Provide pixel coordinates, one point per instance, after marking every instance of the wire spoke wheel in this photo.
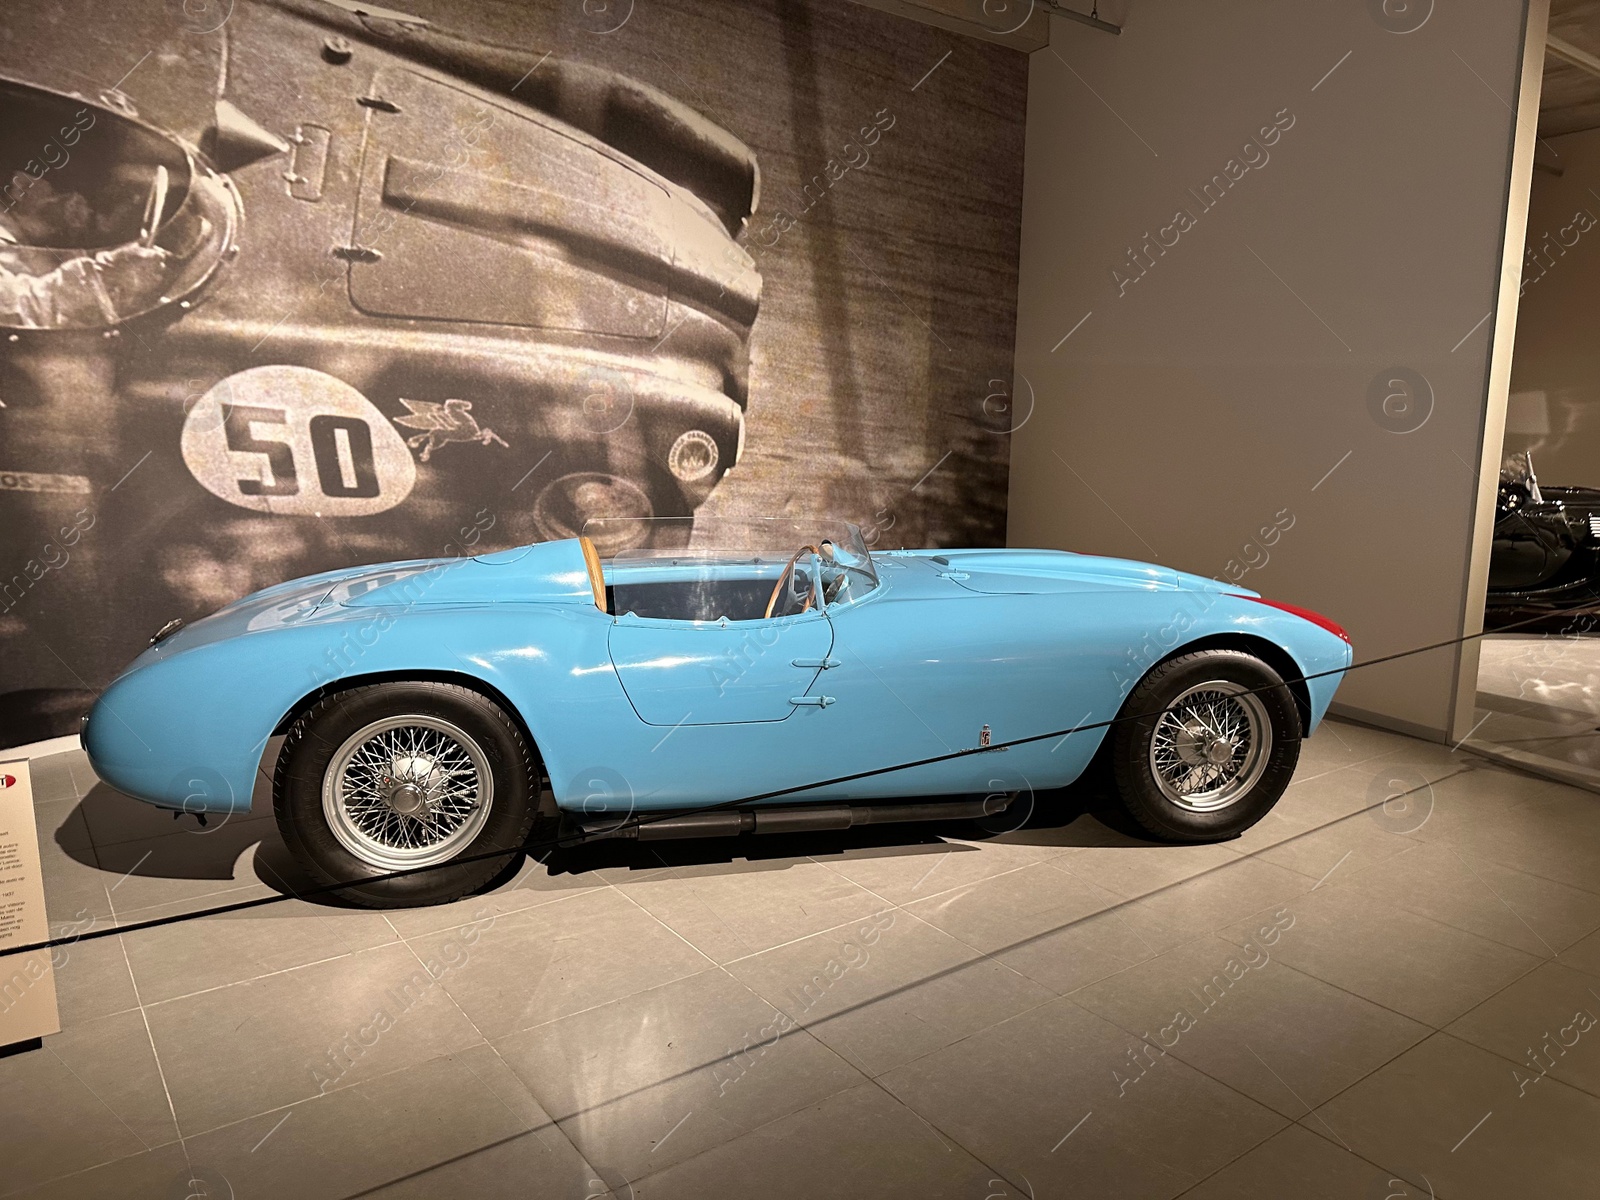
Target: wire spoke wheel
(407, 791)
(1210, 745)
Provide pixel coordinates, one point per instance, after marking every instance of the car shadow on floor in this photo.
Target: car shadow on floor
(206, 863)
(1086, 813)
(126, 839)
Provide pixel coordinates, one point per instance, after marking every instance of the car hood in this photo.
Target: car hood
(1013, 572)
(552, 572)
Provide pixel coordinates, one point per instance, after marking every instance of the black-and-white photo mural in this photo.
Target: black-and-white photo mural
(290, 285)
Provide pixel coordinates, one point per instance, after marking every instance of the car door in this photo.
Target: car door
(726, 710)
(1530, 547)
(678, 672)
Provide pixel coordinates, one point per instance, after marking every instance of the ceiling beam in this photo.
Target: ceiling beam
(1090, 18)
(1568, 53)
(973, 18)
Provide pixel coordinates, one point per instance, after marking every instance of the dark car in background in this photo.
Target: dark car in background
(1544, 570)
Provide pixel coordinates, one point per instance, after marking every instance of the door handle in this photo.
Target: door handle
(820, 663)
(819, 701)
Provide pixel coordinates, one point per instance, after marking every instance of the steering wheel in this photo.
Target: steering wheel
(155, 203)
(788, 570)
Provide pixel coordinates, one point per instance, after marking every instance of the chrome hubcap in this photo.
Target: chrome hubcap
(1210, 746)
(407, 791)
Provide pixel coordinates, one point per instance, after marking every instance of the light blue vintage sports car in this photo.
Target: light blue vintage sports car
(426, 703)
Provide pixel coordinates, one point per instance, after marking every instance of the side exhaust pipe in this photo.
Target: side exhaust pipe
(730, 822)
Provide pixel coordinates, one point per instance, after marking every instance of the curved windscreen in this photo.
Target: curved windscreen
(732, 569)
(102, 218)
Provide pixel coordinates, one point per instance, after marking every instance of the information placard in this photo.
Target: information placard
(27, 982)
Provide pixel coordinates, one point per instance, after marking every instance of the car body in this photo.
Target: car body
(661, 705)
(1544, 567)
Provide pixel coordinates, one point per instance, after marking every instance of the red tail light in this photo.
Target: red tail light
(1315, 618)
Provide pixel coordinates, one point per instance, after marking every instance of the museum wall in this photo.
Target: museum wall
(1555, 375)
(1254, 328)
(286, 289)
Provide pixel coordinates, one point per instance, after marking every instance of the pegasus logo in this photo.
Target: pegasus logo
(441, 424)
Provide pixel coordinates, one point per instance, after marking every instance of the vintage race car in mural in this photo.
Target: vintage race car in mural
(425, 704)
(1544, 566)
(337, 280)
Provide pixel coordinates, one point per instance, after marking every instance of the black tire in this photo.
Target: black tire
(1251, 687)
(316, 738)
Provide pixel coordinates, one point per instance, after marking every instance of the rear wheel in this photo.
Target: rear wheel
(397, 776)
(1210, 745)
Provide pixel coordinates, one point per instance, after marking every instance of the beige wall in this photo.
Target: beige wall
(1555, 374)
(1222, 376)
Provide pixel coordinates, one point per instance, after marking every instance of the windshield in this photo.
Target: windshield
(103, 218)
(731, 569)
(1517, 471)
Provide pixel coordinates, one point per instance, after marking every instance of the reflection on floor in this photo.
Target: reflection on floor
(1539, 704)
(1390, 987)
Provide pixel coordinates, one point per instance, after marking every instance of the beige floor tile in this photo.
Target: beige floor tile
(1346, 844)
(1139, 868)
(1299, 1164)
(667, 1073)
(1448, 1111)
(537, 964)
(1584, 954)
(1097, 1121)
(432, 1129)
(875, 1147)
(74, 885)
(1281, 1037)
(1380, 790)
(1075, 954)
(534, 885)
(1548, 1022)
(1428, 971)
(1337, 744)
(112, 1056)
(185, 865)
(54, 1121)
(1436, 880)
(1277, 826)
(92, 978)
(1198, 906)
(244, 1049)
(993, 914)
(906, 874)
(193, 956)
(884, 991)
(60, 777)
(153, 1173)
(738, 908)
(1531, 825)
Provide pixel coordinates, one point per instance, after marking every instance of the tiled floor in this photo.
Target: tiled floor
(1539, 704)
(1366, 996)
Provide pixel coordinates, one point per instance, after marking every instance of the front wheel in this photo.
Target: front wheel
(1210, 742)
(397, 776)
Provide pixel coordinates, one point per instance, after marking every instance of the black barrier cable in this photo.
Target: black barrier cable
(578, 839)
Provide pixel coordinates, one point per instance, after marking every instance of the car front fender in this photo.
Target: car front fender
(187, 730)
